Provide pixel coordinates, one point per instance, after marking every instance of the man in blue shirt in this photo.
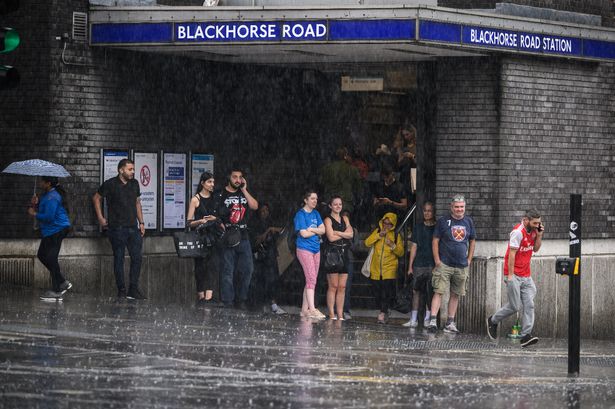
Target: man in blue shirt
(454, 239)
(52, 217)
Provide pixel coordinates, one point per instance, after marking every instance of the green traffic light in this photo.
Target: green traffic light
(9, 40)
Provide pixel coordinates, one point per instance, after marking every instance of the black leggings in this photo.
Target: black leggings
(48, 252)
(384, 291)
(204, 273)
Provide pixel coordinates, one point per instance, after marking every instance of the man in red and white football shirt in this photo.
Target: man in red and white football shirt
(525, 239)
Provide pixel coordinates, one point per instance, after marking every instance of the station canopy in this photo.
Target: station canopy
(302, 35)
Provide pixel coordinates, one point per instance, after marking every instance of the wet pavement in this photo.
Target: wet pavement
(89, 352)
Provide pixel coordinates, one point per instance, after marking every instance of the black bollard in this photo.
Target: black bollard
(574, 295)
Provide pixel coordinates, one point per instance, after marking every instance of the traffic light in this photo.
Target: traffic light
(9, 41)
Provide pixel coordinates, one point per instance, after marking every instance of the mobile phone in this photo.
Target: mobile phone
(541, 227)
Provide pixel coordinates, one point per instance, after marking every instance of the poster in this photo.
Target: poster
(174, 190)
(146, 173)
(200, 163)
(110, 160)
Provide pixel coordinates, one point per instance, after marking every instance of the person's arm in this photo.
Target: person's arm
(348, 233)
(252, 202)
(320, 230)
(140, 216)
(191, 209)
(331, 234)
(372, 238)
(413, 249)
(398, 246)
(538, 242)
(97, 200)
(402, 204)
(47, 211)
(512, 253)
(435, 248)
(471, 251)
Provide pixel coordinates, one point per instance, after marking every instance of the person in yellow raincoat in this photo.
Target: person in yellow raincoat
(388, 247)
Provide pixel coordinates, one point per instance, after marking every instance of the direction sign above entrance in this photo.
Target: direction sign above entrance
(418, 32)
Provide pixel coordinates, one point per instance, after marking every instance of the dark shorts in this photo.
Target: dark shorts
(422, 276)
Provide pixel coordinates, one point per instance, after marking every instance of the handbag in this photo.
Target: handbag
(334, 258)
(231, 237)
(189, 244)
(365, 269)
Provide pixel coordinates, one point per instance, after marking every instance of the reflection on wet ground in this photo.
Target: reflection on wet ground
(100, 353)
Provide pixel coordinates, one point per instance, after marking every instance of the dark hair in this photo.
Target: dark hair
(55, 183)
(235, 168)
(123, 163)
(204, 177)
(341, 153)
(386, 170)
(308, 193)
(332, 198)
(428, 203)
(532, 214)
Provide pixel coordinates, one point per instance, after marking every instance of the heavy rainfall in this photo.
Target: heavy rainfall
(301, 204)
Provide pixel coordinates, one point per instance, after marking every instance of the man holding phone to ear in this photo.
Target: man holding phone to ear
(525, 239)
(233, 203)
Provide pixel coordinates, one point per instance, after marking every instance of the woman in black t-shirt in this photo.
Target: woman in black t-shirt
(339, 234)
(201, 211)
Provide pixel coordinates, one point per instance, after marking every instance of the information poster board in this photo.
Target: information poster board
(146, 173)
(200, 163)
(174, 190)
(110, 159)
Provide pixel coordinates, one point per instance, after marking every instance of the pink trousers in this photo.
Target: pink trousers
(310, 263)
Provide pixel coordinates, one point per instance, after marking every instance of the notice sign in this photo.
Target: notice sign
(146, 173)
(350, 84)
(200, 163)
(110, 160)
(174, 186)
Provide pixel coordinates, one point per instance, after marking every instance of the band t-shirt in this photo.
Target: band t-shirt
(121, 201)
(455, 236)
(421, 236)
(233, 209)
(302, 221)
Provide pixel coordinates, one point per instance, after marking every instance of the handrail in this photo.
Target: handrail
(405, 220)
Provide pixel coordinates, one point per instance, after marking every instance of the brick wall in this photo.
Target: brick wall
(467, 158)
(557, 138)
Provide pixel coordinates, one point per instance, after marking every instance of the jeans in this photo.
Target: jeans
(266, 275)
(521, 292)
(122, 238)
(384, 291)
(236, 259)
(204, 271)
(48, 252)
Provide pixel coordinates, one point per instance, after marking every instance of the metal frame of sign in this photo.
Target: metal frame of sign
(162, 191)
(156, 184)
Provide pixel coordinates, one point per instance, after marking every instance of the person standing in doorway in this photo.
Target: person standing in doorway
(388, 247)
(339, 234)
(421, 265)
(125, 226)
(525, 239)
(52, 216)
(202, 213)
(390, 196)
(309, 227)
(233, 203)
(453, 243)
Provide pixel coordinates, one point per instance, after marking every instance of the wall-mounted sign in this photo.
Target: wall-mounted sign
(110, 159)
(200, 163)
(146, 173)
(362, 84)
(174, 191)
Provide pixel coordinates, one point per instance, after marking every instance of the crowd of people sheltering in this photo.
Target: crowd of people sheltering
(243, 252)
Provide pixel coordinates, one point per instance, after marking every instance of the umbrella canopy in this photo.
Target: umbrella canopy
(37, 167)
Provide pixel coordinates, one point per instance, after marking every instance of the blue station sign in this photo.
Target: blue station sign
(351, 30)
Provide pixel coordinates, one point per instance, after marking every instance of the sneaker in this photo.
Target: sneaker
(528, 340)
(241, 306)
(65, 286)
(432, 325)
(492, 329)
(411, 324)
(201, 302)
(121, 293)
(451, 328)
(51, 296)
(426, 323)
(277, 310)
(347, 316)
(135, 294)
(382, 318)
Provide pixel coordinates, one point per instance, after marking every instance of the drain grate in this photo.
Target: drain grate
(441, 345)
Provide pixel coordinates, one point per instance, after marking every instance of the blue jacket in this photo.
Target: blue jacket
(51, 215)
